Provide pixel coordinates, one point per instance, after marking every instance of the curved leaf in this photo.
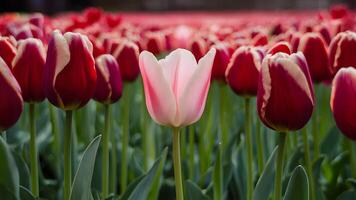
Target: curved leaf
(347, 195)
(144, 187)
(81, 189)
(298, 185)
(25, 194)
(264, 185)
(193, 192)
(9, 175)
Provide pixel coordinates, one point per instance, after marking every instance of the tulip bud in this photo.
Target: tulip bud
(11, 103)
(260, 40)
(154, 42)
(109, 84)
(7, 51)
(126, 55)
(283, 47)
(285, 96)
(70, 75)
(342, 102)
(342, 49)
(176, 87)
(198, 48)
(314, 49)
(243, 70)
(28, 67)
(221, 61)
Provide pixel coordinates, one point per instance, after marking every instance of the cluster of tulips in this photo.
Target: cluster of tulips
(292, 64)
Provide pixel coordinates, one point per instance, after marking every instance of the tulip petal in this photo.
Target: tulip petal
(11, 103)
(286, 101)
(28, 67)
(160, 99)
(193, 99)
(342, 102)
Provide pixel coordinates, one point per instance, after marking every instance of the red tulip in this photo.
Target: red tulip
(198, 48)
(28, 67)
(7, 50)
(315, 51)
(70, 75)
(243, 70)
(221, 61)
(342, 102)
(11, 103)
(155, 42)
(109, 84)
(283, 47)
(285, 96)
(342, 50)
(126, 55)
(260, 40)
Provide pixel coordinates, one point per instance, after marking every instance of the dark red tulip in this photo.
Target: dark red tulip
(283, 47)
(295, 40)
(28, 67)
(285, 96)
(7, 50)
(221, 61)
(126, 55)
(315, 51)
(198, 47)
(342, 102)
(342, 50)
(70, 75)
(109, 84)
(243, 70)
(11, 103)
(154, 43)
(260, 40)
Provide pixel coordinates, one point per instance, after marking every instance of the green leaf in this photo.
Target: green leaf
(82, 180)
(347, 195)
(298, 185)
(24, 172)
(264, 184)
(193, 192)
(9, 175)
(25, 194)
(131, 187)
(143, 188)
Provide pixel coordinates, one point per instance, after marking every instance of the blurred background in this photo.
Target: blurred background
(55, 6)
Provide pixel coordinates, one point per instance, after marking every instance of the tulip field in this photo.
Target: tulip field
(98, 105)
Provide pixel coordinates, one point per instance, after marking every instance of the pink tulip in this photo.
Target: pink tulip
(176, 87)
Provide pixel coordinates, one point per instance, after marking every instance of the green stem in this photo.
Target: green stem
(56, 138)
(113, 172)
(308, 162)
(218, 175)
(260, 156)
(352, 158)
(105, 154)
(67, 154)
(191, 152)
(249, 148)
(315, 125)
(125, 139)
(315, 135)
(224, 133)
(33, 152)
(177, 164)
(145, 146)
(279, 166)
